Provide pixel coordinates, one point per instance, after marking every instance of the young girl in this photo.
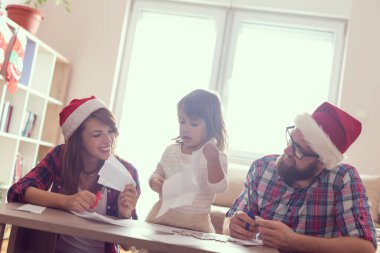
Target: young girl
(201, 126)
(72, 170)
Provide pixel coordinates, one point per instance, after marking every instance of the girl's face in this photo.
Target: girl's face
(97, 140)
(193, 132)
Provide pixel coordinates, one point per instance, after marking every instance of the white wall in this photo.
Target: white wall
(90, 36)
(361, 82)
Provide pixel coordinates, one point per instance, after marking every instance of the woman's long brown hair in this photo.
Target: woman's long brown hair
(72, 163)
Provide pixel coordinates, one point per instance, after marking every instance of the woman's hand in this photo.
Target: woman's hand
(127, 201)
(156, 182)
(80, 201)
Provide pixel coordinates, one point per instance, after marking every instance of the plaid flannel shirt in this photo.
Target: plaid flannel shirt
(48, 173)
(334, 204)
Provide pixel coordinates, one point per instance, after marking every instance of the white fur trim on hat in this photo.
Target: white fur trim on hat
(318, 140)
(79, 115)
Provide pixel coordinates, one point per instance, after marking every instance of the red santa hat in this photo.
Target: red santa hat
(77, 111)
(329, 131)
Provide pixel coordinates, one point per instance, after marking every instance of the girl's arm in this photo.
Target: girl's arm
(214, 166)
(156, 182)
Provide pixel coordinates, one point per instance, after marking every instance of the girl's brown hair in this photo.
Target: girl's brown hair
(207, 106)
(72, 163)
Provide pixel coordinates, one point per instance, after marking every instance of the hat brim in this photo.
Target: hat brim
(318, 140)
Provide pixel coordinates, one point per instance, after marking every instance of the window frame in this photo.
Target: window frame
(229, 20)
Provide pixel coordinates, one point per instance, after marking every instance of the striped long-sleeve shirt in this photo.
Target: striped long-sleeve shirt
(334, 204)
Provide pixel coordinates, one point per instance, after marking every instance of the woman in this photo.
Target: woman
(71, 170)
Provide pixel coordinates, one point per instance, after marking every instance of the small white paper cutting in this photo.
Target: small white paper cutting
(32, 208)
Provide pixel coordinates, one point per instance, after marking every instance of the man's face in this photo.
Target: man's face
(290, 168)
(292, 173)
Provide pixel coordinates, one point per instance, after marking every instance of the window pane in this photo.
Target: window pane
(278, 72)
(171, 56)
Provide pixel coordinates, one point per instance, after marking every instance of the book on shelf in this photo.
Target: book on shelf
(19, 166)
(29, 122)
(6, 116)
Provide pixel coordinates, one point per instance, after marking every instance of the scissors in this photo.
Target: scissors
(250, 212)
(98, 197)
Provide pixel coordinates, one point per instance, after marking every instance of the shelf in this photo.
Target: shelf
(33, 128)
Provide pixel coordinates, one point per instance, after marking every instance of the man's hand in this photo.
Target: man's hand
(238, 225)
(276, 234)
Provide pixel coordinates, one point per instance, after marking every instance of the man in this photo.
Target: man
(306, 200)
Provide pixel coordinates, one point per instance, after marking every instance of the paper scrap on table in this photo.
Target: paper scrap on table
(216, 237)
(101, 218)
(252, 242)
(181, 188)
(32, 208)
(114, 175)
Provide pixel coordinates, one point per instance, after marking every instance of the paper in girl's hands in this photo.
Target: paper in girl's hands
(182, 188)
(113, 174)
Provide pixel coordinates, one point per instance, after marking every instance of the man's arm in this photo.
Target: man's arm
(278, 235)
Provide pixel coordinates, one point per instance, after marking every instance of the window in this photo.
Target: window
(281, 66)
(266, 67)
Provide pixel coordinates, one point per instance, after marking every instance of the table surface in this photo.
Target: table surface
(137, 233)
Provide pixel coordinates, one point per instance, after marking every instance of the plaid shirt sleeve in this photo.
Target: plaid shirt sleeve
(251, 182)
(40, 177)
(352, 208)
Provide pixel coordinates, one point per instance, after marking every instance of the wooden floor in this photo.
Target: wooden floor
(4, 246)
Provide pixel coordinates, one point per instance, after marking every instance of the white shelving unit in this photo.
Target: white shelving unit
(41, 90)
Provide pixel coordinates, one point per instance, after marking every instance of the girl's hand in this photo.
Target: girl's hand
(127, 201)
(156, 183)
(80, 202)
(211, 152)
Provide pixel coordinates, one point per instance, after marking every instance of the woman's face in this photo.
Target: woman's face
(97, 140)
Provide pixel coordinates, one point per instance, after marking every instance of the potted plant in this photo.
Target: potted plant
(28, 15)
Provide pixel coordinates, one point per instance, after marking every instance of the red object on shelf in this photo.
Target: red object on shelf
(28, 18)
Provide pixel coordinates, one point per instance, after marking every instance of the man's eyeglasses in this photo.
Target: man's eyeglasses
(297, 150)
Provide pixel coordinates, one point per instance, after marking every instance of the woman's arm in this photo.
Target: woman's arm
(78, 202)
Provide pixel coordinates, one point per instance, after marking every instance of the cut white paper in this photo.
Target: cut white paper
(32, 208)
(253, 242)
(181, 188)
(101, 218)
(179, 235)
(114, 175)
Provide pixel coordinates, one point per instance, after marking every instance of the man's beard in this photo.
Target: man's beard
(290, 173)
